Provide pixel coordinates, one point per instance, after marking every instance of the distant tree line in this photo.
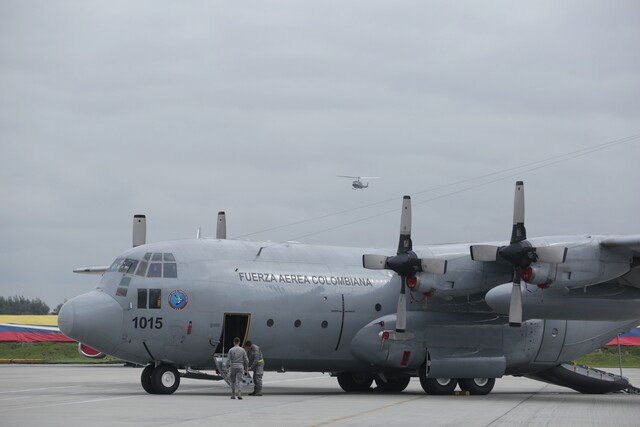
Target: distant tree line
(18, 304)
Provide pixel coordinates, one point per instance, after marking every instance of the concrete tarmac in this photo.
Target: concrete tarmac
(108, 395)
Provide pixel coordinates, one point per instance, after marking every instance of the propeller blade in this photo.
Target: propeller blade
(401, 316)
(434, 266)
(519, 233)
(374, 262)
(405, 244)
(139, 230)
(221, 227)
(552, 254)
(515, 305)
(484, 252)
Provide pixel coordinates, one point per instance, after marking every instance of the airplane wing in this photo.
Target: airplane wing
(91, 270)
(631, 243)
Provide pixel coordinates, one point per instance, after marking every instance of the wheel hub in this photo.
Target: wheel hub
(443, 381)
(168, 379)
(481, 382)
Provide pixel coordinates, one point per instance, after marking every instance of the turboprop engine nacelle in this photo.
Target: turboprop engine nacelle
(538, 274)
(592, 303)
(370, 345)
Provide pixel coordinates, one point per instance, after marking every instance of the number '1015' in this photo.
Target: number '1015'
(147, 322)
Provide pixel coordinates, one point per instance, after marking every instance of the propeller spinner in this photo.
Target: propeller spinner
(406, 264)
(519, 253)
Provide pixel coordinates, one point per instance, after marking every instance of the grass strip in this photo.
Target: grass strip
(46, 352)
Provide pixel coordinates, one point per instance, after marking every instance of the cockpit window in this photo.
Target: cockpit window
(116, 264)
(170, 270)
(155, 270)
(142, 269)
(147, 256)
(128, 266)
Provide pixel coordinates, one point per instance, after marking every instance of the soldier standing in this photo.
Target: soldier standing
(239, 364)
(256, 364)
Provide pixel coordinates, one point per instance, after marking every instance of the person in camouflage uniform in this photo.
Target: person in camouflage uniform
(256, 365)
(239, 363)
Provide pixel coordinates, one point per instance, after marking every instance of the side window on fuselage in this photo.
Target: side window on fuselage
(152, 296)
(155, 298)
(142, 298)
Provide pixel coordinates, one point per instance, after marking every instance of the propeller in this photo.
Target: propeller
(139, 230)
(406, 264)
(519, 253)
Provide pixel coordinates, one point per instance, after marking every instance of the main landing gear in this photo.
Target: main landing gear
(354, 383)
(392, 385)
(444, 386)
(361, 383)
(161, 379)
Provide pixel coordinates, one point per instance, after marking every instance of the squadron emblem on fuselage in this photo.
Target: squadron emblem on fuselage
(178, 300)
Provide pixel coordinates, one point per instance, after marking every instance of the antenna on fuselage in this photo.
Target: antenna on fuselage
(221, 227)
(139, 235)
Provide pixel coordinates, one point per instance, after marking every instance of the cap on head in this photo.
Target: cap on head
(248, 343)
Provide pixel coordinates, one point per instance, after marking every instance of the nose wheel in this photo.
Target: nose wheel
(161, 379)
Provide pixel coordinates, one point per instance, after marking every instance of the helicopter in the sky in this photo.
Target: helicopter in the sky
(358, 184)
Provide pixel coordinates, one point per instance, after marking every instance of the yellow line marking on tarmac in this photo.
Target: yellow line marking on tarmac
(370, 411)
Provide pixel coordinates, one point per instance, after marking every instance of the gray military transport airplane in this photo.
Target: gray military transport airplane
(452, 315)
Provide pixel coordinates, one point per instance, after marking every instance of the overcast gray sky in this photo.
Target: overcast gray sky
(180, 109)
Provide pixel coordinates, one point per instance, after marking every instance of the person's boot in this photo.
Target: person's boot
(240, 395)
(233, 395)
(253, 393)
(257, 392)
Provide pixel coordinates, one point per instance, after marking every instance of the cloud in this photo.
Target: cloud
(179, 111)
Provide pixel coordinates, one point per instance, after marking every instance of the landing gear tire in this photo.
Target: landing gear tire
(165, 379)
(436, 386)
(393, 385)
(477, 386)
(354, 383)
(145, 379)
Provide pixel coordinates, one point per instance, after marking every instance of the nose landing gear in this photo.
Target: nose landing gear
(161, 379)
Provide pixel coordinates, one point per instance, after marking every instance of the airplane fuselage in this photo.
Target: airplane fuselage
(314, 308)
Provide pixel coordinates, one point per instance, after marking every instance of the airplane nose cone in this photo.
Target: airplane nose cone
(94, 319)
(65, 319)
